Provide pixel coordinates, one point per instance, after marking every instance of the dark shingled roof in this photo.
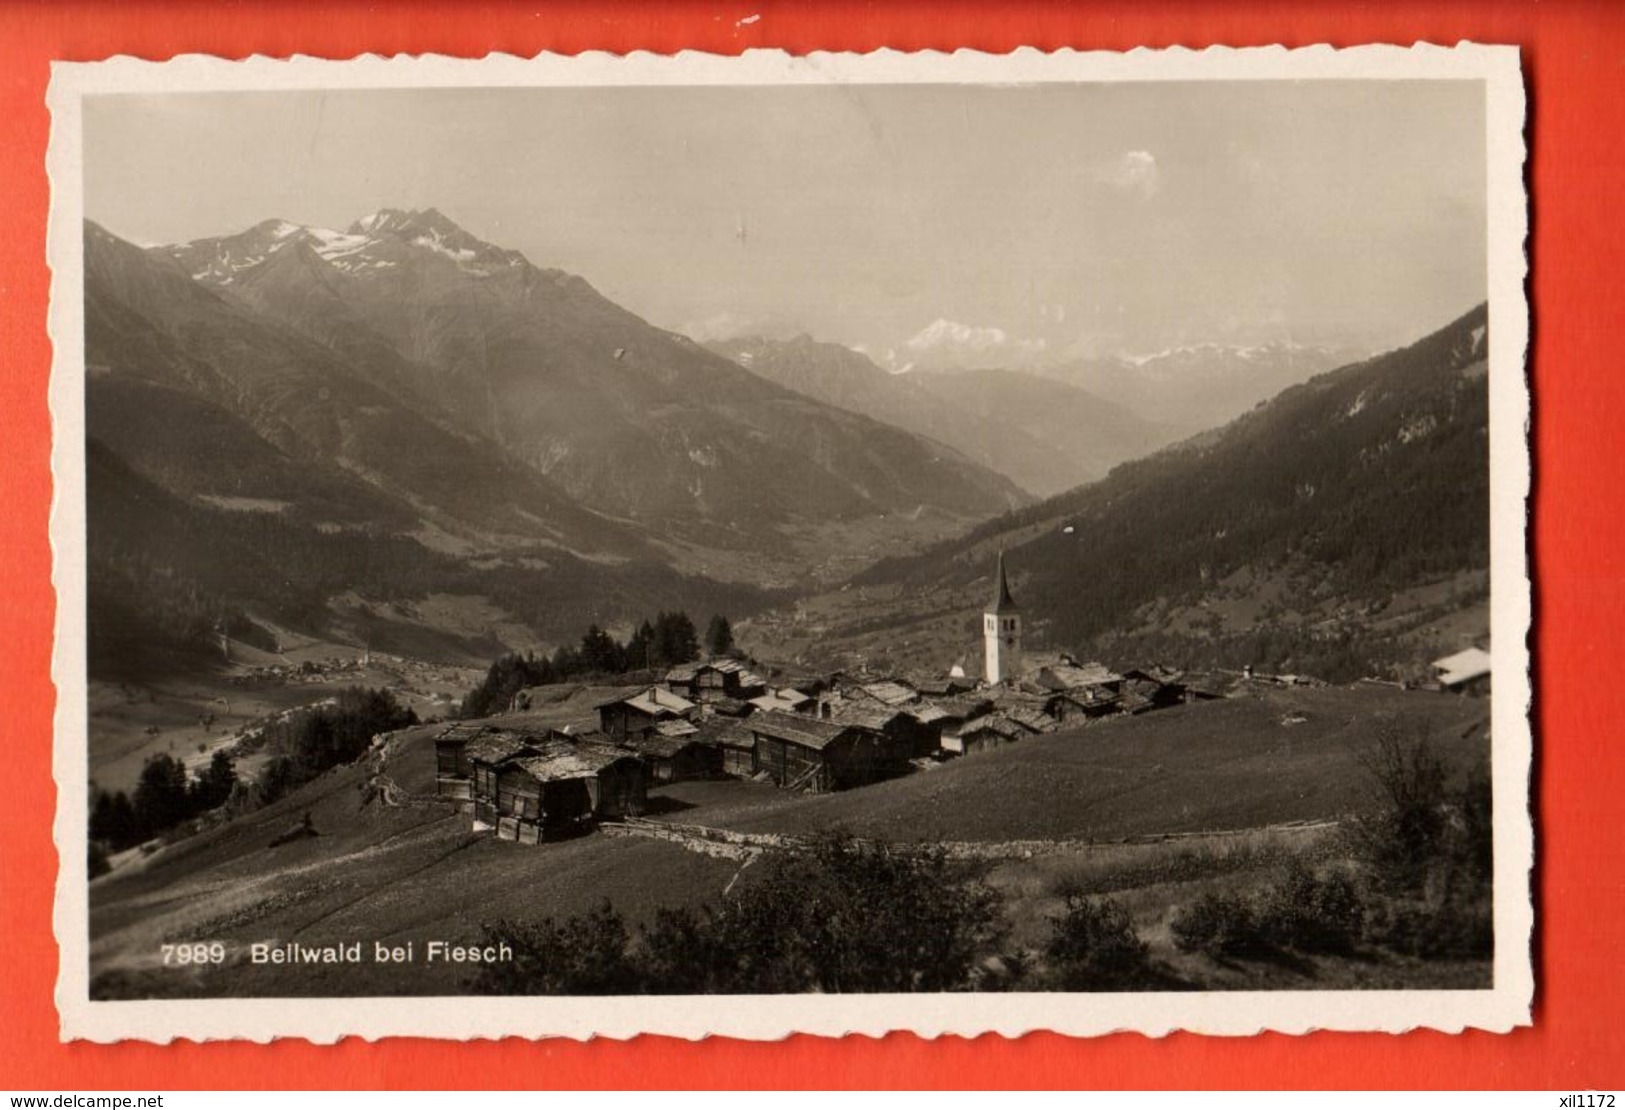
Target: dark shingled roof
(808, 732)
(495, 747)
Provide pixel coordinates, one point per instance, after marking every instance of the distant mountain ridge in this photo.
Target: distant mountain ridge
(1044, 435)
(1201, 385)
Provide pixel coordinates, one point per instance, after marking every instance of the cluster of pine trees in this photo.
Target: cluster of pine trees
(165, 796)
(312, 740)
(668, 640)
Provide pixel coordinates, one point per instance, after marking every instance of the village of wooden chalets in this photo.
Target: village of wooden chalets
(529, 776)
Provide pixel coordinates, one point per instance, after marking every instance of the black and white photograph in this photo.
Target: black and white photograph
(933, 542)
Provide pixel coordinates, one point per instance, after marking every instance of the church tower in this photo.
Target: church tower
(1001, 632)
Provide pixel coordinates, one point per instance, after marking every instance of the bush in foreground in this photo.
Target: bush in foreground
(845, 916)
(1093, 947)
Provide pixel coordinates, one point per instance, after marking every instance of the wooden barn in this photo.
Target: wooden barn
(558, 788)
(1083, 704)
(676, 752)
(992, 731)
(452, 773)
(1159, 686)
(735, 744)
(543, 797)
(486, 754)
(804, 753)
(715, 679)
(621, 717)
(901, 725)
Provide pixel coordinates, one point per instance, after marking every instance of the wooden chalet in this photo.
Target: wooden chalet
(564, 789)
(991, 731)
(735, 744)
(804, 753)
(890, 693)
(1160, 686)
(622, 716)
(784, 700)
(941, 686)
(1083, 704)
(676, 752)
(486, 754)
(451, 768)
(900, 725)
(1072, 676)
(715, 678)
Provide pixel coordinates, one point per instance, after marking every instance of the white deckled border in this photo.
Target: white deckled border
(1502, 1008)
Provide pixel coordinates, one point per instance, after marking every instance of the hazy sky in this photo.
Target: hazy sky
(1123, 218)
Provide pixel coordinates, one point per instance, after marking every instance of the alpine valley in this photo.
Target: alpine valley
(291, 423)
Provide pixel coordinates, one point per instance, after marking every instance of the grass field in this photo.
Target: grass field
(1232, 772)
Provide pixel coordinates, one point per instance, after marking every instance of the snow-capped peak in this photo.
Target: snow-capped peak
(371, 244)
(949, 333)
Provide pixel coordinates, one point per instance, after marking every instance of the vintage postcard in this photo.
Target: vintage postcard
(589, 546)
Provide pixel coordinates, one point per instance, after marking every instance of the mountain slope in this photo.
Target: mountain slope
(1341, 497)
(629, 419)
(1044, 435)
(147, 322)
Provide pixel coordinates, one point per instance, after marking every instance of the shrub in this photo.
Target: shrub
(845, 916)
(1093, 947)
(1429, 852)
(1219, 925)
(1399, 841)
(581, 955)
(1450, 917)
(1310, 912)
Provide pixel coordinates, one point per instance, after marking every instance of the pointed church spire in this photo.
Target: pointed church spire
(1002, 601)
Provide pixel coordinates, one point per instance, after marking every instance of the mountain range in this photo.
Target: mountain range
(1045, 435)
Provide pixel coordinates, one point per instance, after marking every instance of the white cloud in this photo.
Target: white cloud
(1135, 172)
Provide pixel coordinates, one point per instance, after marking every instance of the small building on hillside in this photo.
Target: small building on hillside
(901, 726)
(1072, 676)
(676, 752)
(715, 678)
(890, 693)
(451, 769)
(991, 731)
(1465, 672)
(941, 686)
(1032, 719)
(1083, 704)
(783, 700)
(486, 754)
(563, 790)
(1161, 686)
(804, 753)
(735, 744)
(621, 717)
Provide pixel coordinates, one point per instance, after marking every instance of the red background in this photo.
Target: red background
(1573, 56)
